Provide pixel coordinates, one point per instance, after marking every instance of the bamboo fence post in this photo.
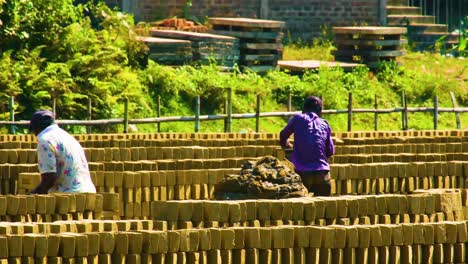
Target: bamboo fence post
(257, 114)
(159, 112)
(406, 112)
(88, 128)
(197, 114)
(229, 111)
(457, 115)
(289, 102)
(350, 112)
(376, 114)
(126, 116)
(436, 112)
(12, 129)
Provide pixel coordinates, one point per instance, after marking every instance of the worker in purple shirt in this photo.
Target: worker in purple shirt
(313, 145)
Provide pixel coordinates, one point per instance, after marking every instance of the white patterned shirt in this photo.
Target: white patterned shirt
(61, 153)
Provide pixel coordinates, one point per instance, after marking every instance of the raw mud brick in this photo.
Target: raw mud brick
(315, 236)
(375, 236)
(62, 204)
(4, 247)
(3, 205)
(287, 210)
(278, 238)
(297, 209)
(90, 201)
(135, 245)
(275, 207)
(351, 236)
(439, 233)
(340, 236)
(81, 245)
(263, 209)
(121, 243)
(328, 237)
(224, 212)
(387, 232)
(93, 243)
(319, 209)
(381, 205)
(173, 240)
(428, 234)
(204, 240)
(266, 238)
(106, 242)
(342, 207)
(251, 209)
(301, 237)
(67, 246)
(227, 239)
(53, 245)
(331, 207)
(31, 204)
(12, 204)
(211, 210)
(110, 202)
(252, 238)
(364, 236)
(239, 237)
(462, 232)
(348, 205)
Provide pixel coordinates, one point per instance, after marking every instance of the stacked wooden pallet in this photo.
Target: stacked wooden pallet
(168, 51)
(368, 45)
(206, 48)
(260, 40)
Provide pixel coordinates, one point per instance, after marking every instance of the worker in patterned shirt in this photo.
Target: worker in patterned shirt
(313, 145)
(61, 159)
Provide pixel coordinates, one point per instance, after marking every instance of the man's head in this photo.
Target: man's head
(40, 120)
(312, 104)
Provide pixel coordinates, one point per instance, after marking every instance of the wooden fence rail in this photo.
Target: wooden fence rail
(229, 116)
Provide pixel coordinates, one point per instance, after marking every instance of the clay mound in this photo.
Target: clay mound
(267, 178)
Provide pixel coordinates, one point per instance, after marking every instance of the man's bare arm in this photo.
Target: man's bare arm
(47, 181)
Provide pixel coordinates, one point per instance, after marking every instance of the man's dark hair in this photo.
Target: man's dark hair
(312, 104)
(41, 119)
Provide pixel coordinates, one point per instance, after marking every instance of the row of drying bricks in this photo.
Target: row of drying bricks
(196, 152)
(374, 135)
(199, 184)
(305, 209)
(95, 242)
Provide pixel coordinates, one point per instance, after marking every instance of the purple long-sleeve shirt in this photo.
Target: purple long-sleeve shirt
(313, 143)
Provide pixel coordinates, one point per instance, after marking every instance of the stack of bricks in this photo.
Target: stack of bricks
(424, 206)
(58, 206)
(387, 212)
(442, 242)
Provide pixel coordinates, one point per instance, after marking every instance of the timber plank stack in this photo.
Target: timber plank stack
(368, 45)
(260, 40)
(166, 51)
(206, 48)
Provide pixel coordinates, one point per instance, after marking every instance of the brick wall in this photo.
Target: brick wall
(303, 17)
